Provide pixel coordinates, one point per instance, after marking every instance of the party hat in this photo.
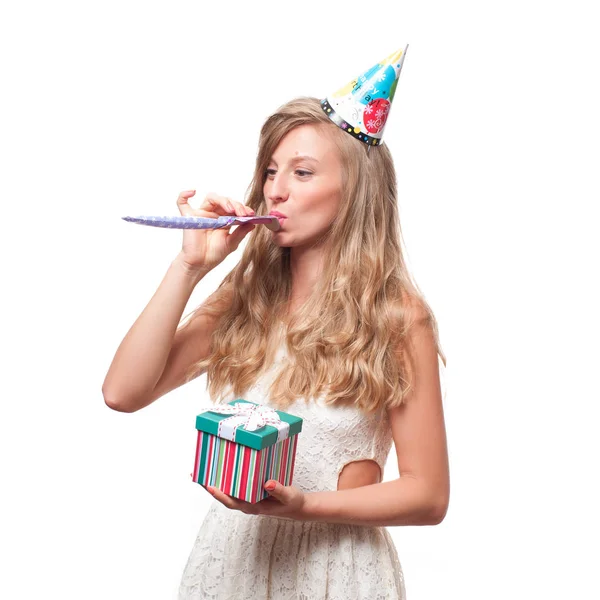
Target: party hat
(361, 107)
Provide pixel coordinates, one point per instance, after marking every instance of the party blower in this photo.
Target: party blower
(185, 222)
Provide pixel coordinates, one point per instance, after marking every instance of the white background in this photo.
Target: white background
(111, 108)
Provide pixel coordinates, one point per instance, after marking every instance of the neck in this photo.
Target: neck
(306, 265)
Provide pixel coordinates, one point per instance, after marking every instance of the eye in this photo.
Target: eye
(303, 173)
(270, 172)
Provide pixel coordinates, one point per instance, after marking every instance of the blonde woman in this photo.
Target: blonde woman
(320, 319)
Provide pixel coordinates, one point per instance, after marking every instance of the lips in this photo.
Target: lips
(277, 214)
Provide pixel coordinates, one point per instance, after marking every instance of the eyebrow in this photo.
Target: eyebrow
(297, 159)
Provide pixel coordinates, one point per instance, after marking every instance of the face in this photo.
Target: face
(304, 183)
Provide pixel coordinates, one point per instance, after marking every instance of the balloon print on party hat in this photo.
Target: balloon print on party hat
(361, 108)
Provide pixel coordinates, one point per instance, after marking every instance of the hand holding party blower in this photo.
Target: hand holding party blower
(204, 250)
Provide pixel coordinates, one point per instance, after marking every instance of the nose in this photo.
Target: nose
(277, 190)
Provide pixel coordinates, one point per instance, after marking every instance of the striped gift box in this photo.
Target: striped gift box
(239, 461)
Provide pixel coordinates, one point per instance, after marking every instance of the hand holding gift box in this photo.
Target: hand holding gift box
(241, 445)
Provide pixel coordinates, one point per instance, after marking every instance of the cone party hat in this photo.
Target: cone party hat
(361, 108)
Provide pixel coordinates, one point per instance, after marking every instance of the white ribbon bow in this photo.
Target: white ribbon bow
(249, 416)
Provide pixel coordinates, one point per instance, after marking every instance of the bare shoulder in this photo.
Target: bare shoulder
(415, 311)
(418, 348)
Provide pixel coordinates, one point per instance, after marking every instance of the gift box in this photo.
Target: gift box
(241, 445)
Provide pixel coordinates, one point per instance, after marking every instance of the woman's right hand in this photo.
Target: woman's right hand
(204, 249)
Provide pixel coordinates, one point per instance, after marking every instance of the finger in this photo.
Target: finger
(228, 501)
(219, 205)
(241, 210)
(234, 207)
(220, 496)
(231, 207)
(235, 238)
(206, 488)
(182, 203)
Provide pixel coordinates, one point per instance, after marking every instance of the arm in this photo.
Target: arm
(420, 495)
(148, 362)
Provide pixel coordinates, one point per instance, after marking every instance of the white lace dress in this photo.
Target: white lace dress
(257, 557)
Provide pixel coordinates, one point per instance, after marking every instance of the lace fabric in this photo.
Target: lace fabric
(257, 557)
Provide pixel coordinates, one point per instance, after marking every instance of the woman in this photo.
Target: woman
(320, 319)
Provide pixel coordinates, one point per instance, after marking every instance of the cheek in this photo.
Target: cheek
(323, 197)
(329, 201)
(320, 209)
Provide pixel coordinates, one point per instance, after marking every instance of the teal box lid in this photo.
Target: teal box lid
(261, 438)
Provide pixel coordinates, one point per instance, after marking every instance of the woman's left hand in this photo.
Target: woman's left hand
(284, 501)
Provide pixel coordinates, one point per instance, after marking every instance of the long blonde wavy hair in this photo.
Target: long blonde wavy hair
(349, 341)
